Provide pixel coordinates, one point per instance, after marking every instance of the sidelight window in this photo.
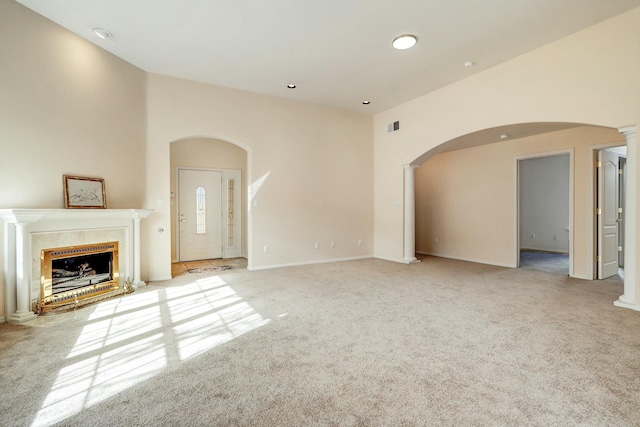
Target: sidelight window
(201, 225)
(230, 213)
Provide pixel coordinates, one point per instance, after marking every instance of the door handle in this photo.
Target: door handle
(183, 220)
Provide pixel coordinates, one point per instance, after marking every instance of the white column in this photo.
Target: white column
(10, 268)
(629, 298)
(136, 253)
(409, 215)
(23, 287)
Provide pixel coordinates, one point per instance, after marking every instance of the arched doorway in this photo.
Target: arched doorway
(478, 222)
(216, 225)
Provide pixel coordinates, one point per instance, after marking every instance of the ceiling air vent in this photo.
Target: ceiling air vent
(392, 127)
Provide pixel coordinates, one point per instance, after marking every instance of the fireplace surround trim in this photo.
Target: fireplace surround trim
(21, 224)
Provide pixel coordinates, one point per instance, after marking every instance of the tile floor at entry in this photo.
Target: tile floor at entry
(180, 268)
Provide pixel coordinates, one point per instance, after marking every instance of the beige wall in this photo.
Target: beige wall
(309, 171)
(206, 153)
(590, 77)
(66, 107)
(468, 198)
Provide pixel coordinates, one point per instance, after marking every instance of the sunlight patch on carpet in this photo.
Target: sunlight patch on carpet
(132, 339)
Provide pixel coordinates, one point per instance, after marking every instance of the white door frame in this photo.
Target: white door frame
(570, 152)
(622, 192)
(593, 151)
(604, 229)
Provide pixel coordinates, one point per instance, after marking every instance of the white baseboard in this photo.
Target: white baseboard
(622, 304)
(477, 261)
(295, 264)
(580, 276)
(158, 279)
(400, 260)
(546, 251)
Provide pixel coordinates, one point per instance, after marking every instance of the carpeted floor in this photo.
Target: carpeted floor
(357, 343)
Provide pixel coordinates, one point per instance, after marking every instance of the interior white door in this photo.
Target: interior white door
(607, 214)
(200, 214)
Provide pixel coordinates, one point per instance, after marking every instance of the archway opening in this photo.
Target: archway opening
(214, 230)
(466, 192)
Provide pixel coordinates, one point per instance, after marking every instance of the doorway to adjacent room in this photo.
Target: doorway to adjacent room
(544, 212)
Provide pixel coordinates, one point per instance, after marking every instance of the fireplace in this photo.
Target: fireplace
(30, 233)
(76, 275)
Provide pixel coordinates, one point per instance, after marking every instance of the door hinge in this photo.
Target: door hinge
(598, 259)
(619, 171)
(598, 164)
(619, 210)
(598, 211)
(619, 248)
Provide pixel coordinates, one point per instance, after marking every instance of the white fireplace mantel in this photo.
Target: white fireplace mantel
(26, 230)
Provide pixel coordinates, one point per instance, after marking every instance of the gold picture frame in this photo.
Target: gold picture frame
(81, 192)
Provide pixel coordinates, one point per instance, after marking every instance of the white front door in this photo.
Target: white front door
(200, 214)
(607, 214)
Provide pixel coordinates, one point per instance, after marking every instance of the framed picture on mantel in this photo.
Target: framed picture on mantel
(84, 193)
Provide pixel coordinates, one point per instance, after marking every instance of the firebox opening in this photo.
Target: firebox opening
(78, 275)
(77, 272)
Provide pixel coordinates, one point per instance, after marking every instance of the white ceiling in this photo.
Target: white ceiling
(338, 52)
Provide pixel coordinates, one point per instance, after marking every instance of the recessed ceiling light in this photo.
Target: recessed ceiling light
(291, 86)
(469, 64)
(366, 102)
(405, 41)
(504, 136)
(103, 34)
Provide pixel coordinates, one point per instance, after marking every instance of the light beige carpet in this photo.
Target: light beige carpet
(357, 343)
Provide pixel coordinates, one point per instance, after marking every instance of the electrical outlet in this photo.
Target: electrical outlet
(266, 249)
(555, 237)
(333, 244)
(533, 235)
(317, 245)
(360, 242)
(435, 240)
